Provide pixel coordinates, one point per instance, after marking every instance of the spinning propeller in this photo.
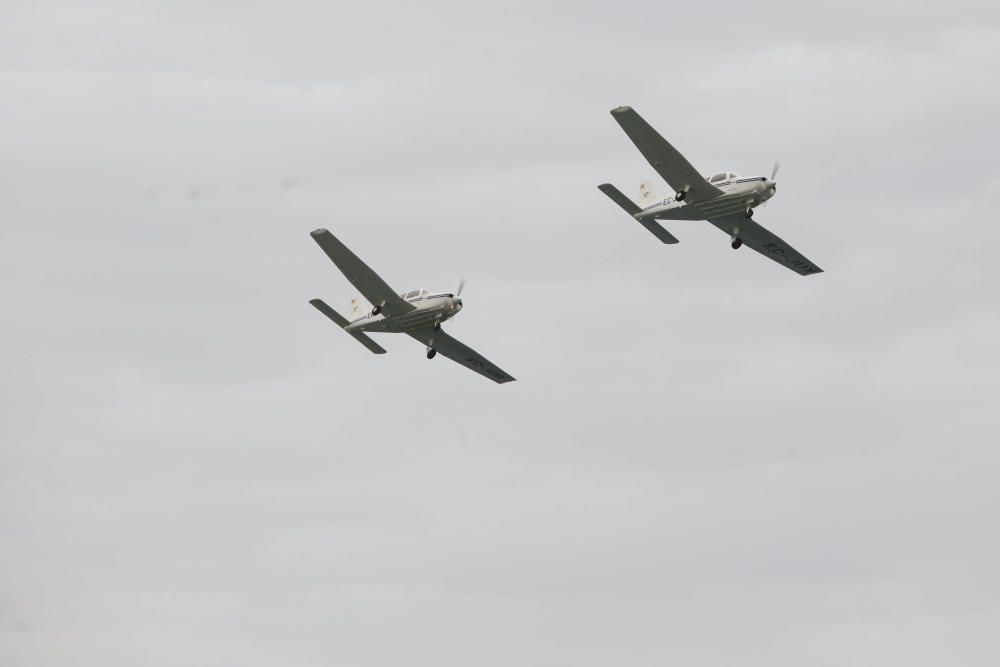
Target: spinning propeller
(774, 172)
(457, 298)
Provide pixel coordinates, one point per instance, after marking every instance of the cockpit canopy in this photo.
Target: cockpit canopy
(721, 178)
(414, 294)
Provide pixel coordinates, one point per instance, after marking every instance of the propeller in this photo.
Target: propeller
(456, 302)
(774, 172)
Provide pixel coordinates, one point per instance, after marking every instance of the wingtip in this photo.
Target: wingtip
(620, 110)
(316, 233)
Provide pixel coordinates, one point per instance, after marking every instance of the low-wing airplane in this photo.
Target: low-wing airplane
(417, 313)
(725, 200)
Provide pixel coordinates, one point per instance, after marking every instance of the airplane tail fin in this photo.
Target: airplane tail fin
(358, 308)
(634, 210)
(342, 322)
(647, 195)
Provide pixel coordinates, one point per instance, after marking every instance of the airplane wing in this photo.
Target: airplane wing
(463, 354)
(664, 158)
(361, 276)
(764, 242)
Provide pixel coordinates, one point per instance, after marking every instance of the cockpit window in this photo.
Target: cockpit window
(413, 294)
(717, 178)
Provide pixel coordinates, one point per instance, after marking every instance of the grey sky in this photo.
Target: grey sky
(707, 460)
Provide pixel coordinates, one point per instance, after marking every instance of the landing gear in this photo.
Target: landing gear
(749, 213)
(431, 353)
(736, 243)
(376, 310)
(437, 325)
(680, 195)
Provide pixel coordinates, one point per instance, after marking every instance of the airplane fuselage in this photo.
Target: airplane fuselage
(738, 195)
(428, 309)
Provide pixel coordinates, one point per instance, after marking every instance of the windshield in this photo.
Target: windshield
(414, 294)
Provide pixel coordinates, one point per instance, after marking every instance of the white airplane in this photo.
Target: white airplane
(417, 313)
(725, 200)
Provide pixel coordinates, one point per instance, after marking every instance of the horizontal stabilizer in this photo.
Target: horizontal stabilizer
(657, 230)
(342, 322)
(618, 197)
(633, 209)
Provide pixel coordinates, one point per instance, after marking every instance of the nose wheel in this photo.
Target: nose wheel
(749, 213)
(431, 353)
(376, 310)
(437, 325)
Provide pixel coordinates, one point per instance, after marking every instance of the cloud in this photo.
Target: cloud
(706, 459)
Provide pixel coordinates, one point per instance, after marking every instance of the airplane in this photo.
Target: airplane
(417, 313)
(725, 199)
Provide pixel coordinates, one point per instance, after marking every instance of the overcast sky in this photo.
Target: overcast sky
(707, 459)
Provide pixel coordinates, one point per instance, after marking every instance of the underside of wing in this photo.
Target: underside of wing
(461, 353)
(361, 275)
(665, 159)
(764, 242)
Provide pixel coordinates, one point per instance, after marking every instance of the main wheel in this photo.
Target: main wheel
(437, 326)
(376, 310)
(749, 213)
(736, 243)
(680, 196)
(431, 353)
